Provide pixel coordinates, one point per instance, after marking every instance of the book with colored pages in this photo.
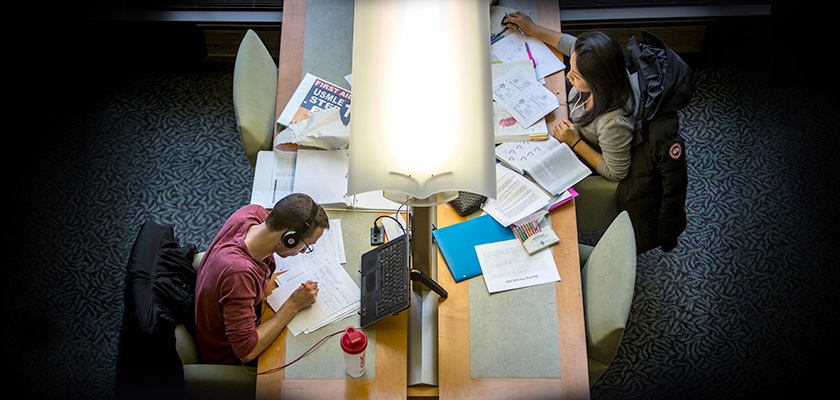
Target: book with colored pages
(457, 244)
(551, 164)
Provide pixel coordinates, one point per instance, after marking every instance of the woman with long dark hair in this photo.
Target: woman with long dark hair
(600, 125)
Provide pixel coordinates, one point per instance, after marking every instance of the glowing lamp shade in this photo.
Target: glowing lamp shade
(422, 102)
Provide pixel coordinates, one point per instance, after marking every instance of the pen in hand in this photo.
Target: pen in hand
(515, 25)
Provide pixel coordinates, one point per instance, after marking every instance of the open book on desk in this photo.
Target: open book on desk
(551, 164)
(322, 174)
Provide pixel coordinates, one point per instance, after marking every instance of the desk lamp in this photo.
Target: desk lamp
(422, 129)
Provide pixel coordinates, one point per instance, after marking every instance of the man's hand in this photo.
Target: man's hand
(304, 296)
(267, 332)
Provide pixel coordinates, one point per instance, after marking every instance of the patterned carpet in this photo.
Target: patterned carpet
(742, 308)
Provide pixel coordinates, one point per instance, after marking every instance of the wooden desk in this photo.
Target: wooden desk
(454, 328)
(390, 361)
(454, 365)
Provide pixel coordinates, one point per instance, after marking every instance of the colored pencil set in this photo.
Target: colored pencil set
(526, 229)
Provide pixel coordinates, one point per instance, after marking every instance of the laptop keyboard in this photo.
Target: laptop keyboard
(393, 286)
(384, 282)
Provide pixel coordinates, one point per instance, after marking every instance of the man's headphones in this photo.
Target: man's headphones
(292, 237)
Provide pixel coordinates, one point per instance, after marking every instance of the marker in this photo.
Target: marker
(497, 39)
(529, 54)
(500, 32)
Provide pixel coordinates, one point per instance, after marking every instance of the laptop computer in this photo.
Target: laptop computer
(384, 282)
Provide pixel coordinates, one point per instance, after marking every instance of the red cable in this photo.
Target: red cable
(304, 353)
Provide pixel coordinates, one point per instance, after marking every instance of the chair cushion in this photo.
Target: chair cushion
(609, 280)
(254, 95)
(595, 204)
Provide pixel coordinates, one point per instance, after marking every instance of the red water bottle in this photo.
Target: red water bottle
(354, 343)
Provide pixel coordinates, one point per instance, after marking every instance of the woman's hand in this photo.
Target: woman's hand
(525, 23)
(566, 132)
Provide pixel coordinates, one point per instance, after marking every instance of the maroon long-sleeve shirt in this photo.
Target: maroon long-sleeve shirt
(229, 288)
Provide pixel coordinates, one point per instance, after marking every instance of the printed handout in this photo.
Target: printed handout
(506, 266)
(523, 97)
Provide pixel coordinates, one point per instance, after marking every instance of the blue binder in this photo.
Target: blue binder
(457, 244)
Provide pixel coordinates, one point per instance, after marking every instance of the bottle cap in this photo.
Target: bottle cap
(353, 341)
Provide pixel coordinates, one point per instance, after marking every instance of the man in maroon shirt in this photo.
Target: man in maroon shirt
(235, 272)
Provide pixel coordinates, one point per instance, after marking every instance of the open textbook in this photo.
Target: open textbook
(322, 174)
(551, 164)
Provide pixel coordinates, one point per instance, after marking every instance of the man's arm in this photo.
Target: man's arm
(268, 331)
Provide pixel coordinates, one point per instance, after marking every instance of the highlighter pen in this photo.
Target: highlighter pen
(529, 54)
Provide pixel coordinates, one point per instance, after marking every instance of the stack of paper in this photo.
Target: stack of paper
(322, 174)
(338, 296)
(505, 126)
(516, 197)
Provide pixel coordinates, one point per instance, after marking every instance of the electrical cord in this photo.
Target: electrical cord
(273, 370)
(395, 220)
(390, 217)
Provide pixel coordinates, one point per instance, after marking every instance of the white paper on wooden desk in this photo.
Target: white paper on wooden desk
(338, 296)
(506, 266)
(512, 48)
(331, 243)
(516, 197)
(523, 97)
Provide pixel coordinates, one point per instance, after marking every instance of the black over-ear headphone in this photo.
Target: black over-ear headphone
(292, 237)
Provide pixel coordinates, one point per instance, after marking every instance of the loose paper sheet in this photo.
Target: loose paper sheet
(523, 97)
(516, 197)
(506, 265)
(330, 167)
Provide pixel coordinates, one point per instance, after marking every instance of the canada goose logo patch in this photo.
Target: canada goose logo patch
(675, 151)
